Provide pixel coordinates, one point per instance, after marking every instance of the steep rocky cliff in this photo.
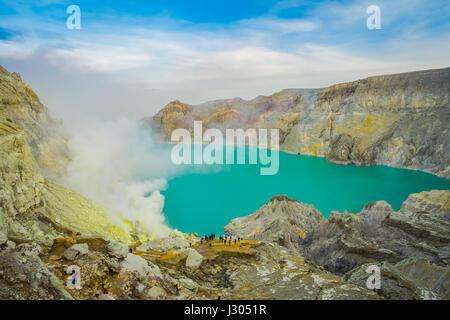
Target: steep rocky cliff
(33, 207)
(397, 120)
(44, 134)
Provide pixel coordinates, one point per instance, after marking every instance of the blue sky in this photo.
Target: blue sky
(132, 57)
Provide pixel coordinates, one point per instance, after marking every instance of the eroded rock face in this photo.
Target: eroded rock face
(397, 120)
(346, 240)
(410, 279)
(411, 246)
(276, 274)
(282, 220)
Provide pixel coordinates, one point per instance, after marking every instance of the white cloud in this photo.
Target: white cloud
(100, 58)
(196, 63)
(280, 26)
(15, 50)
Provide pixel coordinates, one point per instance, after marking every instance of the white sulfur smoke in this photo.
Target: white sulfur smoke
(117, 165)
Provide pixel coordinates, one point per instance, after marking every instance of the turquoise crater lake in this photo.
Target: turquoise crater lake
(204, 198)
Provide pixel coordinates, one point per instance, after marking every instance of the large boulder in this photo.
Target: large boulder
(30, 249)
(194, 259)
(188, 284)
(156, 292)
(118, 249)
(142, 267)
(434, 201)
(3, 238)
(76, 251)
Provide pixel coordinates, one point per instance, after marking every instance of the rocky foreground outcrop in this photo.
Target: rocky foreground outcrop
(411, 246)
(288, 252)
(248, 270)
(378, 233)
(396, 120)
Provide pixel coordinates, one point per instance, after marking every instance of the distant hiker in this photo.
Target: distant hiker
(74, 277)
(190, 244)
(131, 250)
(177, 287)
(106, 285)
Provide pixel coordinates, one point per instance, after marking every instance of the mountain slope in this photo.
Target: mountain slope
(44, 134)
(32, 207)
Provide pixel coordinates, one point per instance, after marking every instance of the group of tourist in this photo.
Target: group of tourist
(225, 239)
